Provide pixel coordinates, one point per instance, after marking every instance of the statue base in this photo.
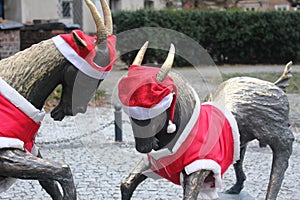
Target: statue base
(242, 196)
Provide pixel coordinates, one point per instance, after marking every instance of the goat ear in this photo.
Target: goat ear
(78, 40)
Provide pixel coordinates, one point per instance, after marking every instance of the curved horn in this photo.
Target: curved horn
(166, 67)
(140, 55)
(101, 32)
(107, 17)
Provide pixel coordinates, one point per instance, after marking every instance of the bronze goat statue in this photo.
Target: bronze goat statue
(162, 107)
(28, 78)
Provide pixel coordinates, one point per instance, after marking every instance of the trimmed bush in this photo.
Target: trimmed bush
(233, 37)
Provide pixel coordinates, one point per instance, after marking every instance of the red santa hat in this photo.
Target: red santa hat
(143, 97)
(82, 57)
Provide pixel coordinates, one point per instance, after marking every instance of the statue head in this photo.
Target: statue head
(148, 96)
(90, 59)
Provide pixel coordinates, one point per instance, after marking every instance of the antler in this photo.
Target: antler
(107, 17)
(102, 31)
(140, 55)
(166, 67)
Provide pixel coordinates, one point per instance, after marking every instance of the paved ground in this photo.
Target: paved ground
(86, 143)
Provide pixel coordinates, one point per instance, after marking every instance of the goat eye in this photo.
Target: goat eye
(141, 122)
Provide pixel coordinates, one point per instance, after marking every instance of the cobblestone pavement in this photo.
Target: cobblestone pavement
(86, 143)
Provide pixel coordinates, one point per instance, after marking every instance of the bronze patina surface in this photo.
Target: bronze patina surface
(35, 73)
(261, 110)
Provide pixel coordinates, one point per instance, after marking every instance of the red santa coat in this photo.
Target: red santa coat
(83, 58)
(210, 141)
(20, 120)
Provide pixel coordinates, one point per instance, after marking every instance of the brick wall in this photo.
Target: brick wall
(30, 37)
(9, 42)
(32, 34)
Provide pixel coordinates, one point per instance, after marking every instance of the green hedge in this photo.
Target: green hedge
(233, 37)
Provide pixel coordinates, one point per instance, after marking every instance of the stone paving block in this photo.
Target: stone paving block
(99, 164)
(242, 196)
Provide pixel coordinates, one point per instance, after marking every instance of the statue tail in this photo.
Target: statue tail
(282, 82)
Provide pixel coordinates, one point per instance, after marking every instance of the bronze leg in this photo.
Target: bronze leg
(19, 164)
(282, 150)
(239, 173)
(50, 186)
(129, 184)
(192, 184)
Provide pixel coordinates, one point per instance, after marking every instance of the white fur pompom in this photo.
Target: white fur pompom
(171, 127)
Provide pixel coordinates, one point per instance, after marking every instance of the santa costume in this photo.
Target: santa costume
(209, 141)
(83, 57)
(20, 120)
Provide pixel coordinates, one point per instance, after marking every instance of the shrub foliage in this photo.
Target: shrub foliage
(233, 37)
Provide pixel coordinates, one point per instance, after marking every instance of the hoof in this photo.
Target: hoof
(236, 189)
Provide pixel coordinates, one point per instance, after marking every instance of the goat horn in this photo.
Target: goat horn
(140, 55)
(107, 17)
(166, 67)
(101, 32)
